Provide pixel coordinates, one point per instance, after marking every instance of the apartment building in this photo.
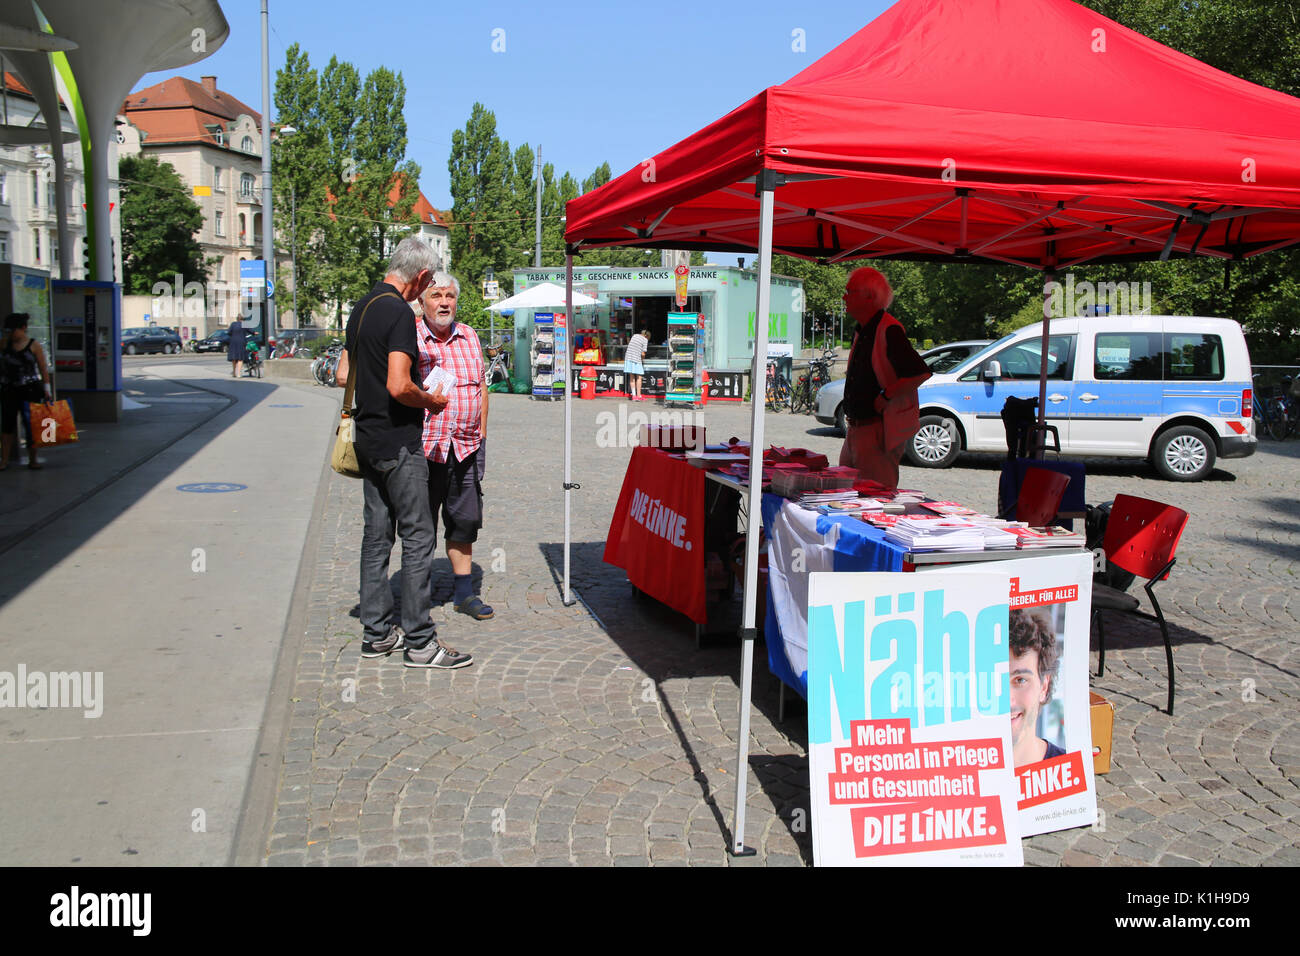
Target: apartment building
(29, 231)
(214, 142)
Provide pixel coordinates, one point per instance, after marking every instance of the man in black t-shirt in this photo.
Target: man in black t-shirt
(390, 406)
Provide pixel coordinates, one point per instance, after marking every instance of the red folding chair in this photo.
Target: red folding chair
(1040, 496)
(1141, 538)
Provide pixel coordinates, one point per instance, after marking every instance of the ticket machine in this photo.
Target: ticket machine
(87, 327)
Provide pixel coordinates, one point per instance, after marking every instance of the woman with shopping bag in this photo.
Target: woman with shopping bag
(24, 379)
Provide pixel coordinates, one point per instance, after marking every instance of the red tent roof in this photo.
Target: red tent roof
(1029, 131)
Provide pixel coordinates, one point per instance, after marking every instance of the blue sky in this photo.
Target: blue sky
(587, 81)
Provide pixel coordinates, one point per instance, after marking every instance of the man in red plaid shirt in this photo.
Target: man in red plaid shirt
(453, 439)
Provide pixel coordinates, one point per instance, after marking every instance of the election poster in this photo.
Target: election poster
(1050, 601)
(909, 736)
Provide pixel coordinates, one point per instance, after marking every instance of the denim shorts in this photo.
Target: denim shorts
(633, 368)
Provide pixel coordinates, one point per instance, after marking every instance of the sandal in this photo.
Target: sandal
(475, 608)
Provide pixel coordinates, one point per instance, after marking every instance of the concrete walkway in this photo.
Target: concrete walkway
(177, 599)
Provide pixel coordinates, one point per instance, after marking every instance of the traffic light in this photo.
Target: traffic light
(112, 257)
(85, 256)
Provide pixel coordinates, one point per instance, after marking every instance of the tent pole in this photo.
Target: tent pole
(767, 181)
(1040, 445)
(568, 412)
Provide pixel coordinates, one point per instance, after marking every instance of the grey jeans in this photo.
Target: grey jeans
(397, 499)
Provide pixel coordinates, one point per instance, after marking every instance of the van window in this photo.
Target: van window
(1024, 360)
(1193, 357)
(1127, 356)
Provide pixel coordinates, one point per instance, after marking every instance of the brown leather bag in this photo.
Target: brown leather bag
(343, 458)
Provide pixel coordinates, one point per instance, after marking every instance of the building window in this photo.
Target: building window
(221, 137)
(50, 198)
(4, 188)
(247, 144)
(36, 243)
(220, 224)
(217, 176)
(243, 225)
(4, 247)
(36, 188)
(246, 185)
(54, 248)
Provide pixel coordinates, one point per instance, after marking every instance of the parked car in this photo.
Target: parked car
(218, 341)
(1175, 390)
(944, 358)
(828, 405)
(150, 339)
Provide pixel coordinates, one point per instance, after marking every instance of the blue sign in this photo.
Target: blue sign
(211, 487)
(252, 269)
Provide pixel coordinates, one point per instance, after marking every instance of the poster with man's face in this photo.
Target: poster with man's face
(1051, 729)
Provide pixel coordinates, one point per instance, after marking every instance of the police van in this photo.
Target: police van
(1175, 390)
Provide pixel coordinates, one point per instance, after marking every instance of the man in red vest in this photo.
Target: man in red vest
(884, 372)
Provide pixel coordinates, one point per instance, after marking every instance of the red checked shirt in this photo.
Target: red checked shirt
(457, 425)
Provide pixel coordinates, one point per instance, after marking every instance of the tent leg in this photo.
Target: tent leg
(568, 418)
(1040, 440)
(767, 181)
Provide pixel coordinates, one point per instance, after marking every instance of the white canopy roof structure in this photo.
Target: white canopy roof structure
(547, 295)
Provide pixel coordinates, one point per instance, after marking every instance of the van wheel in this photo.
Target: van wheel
(936, 444)
(1184, 453)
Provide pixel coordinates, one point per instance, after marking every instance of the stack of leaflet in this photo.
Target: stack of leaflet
(1029, 539)
(949, 508)
(880, 519)
(936, 533)
(998, 534)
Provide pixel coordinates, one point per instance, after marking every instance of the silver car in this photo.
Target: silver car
(828, 406)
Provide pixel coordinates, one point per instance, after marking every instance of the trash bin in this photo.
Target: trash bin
(704, 387)
(587, 383)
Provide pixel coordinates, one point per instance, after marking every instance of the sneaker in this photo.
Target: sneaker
(436, 654)
(382, 648)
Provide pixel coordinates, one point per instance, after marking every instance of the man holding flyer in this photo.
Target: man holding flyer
(451, 358)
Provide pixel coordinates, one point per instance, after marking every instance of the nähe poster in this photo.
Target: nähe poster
(908, 720)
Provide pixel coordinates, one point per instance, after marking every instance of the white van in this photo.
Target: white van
(1173, 389)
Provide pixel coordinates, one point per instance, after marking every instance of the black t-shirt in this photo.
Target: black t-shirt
(860, 383)
(384, 425)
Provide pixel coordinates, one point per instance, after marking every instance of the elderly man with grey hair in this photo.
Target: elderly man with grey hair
(454, 439)
(884, 372)
(390, 404)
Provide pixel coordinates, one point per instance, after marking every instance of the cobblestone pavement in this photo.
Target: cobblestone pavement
(600, 735)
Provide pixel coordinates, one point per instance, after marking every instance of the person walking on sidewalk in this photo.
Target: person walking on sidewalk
(884, 372)
(454, 438)
(390, 407)
(24, 378)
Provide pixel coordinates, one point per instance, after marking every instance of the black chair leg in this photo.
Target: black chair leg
(1169, 650)
(1101, 642)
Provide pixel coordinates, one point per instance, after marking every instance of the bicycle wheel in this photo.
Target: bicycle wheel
(1277, 419)
(800, 402)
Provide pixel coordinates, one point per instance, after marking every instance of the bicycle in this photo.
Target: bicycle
(1276, 414)
(778, 389)
(499, 368)
(325, 366)
(805, 389)
(253, 364)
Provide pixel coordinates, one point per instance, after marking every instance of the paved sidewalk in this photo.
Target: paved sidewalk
(178, 600)
(598, 734)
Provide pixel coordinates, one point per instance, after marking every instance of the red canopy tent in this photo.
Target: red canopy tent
(1033, 132)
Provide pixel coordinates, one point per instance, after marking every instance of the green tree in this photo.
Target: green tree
(159, 226)
(483, 178)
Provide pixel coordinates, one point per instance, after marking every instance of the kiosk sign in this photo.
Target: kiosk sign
(908, 721)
